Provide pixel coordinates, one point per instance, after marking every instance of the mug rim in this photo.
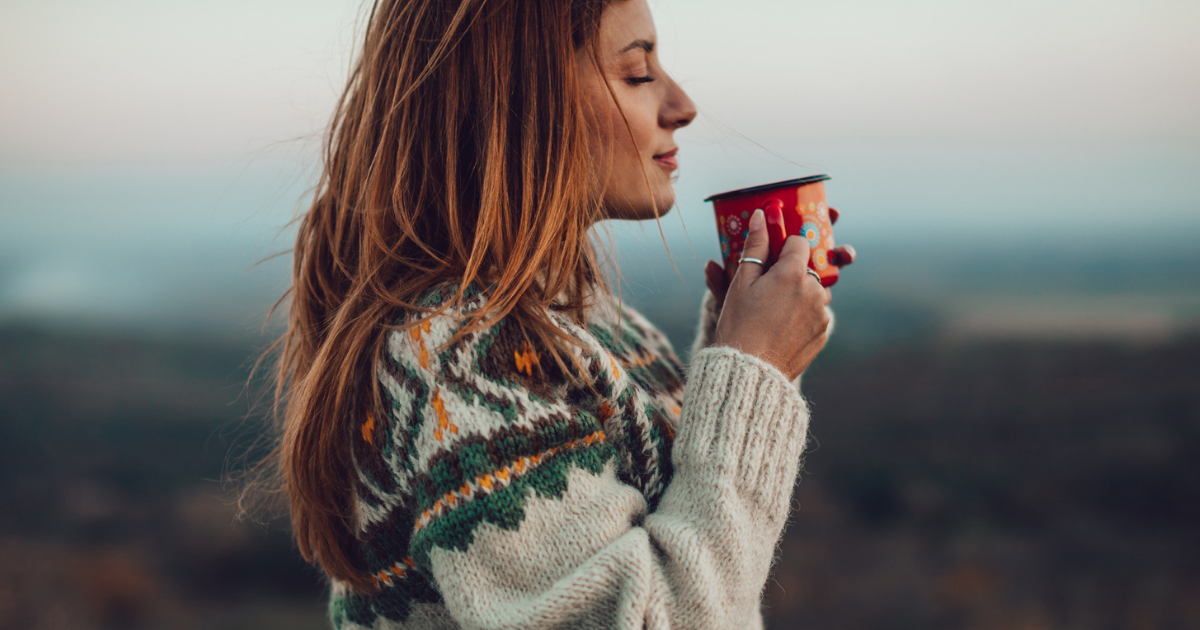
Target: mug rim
(800, 181)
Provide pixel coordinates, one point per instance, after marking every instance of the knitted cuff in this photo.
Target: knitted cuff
(743, 422)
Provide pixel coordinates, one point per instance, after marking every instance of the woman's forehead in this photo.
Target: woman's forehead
(627, 27)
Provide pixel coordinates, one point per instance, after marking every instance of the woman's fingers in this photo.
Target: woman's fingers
(718, 283)
(844, 255)
(757, 246)
(778, 315)
(776, 230)
(795, 253)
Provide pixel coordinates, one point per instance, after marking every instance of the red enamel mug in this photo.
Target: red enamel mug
(802, 204)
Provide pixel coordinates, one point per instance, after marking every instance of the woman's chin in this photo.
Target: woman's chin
(641, 209)
(659, 207)
(649, 212)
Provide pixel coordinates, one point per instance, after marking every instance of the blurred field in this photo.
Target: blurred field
(999, 485)
(110, 452)
(952, 483)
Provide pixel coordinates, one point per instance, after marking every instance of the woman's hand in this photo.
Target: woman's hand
(778, 314)
(718, 281)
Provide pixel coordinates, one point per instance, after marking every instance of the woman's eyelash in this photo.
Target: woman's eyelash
(639, 80)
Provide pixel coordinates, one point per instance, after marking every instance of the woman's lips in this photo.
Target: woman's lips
(667, 160)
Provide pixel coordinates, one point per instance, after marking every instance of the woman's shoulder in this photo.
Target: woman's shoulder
(613, 339)
(615, 315)
(440, 313)
(427, 344)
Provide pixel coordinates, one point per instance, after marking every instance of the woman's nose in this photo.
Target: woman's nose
(678, 110)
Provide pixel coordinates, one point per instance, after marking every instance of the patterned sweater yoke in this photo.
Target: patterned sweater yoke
(498, 493)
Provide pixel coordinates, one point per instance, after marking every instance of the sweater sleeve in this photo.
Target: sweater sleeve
(521, 518)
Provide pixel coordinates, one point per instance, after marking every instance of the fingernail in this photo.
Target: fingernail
(757, 221)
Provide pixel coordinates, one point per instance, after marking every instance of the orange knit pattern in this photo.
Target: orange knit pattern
(527, 359)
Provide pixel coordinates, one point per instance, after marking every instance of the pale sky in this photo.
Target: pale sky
(222, 79)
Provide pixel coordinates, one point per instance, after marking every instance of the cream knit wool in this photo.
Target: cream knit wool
(497, 495)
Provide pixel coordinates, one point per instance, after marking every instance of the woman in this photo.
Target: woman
(477, 433)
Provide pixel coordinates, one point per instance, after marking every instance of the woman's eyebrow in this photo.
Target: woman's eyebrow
(645, 45)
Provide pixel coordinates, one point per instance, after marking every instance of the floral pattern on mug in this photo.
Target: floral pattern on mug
(820, 260)
(811, 230)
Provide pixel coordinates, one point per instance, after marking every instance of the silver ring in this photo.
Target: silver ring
(753, 260)
(814, 274)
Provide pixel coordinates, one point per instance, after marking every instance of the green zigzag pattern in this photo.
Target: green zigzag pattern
(394, 603)
(474, 459)
(505, 508)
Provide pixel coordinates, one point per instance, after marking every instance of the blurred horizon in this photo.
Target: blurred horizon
(204, 249)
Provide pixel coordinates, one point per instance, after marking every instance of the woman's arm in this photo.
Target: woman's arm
(522, 518)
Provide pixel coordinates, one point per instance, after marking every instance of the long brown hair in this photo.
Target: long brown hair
(459, 150)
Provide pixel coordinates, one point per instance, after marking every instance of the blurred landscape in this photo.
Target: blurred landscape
(112, 448)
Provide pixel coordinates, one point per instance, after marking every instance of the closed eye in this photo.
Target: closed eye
(639, 80)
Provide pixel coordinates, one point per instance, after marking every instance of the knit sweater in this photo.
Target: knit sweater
(497, 494)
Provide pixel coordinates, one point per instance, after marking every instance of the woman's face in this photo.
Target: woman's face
(635, 163)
